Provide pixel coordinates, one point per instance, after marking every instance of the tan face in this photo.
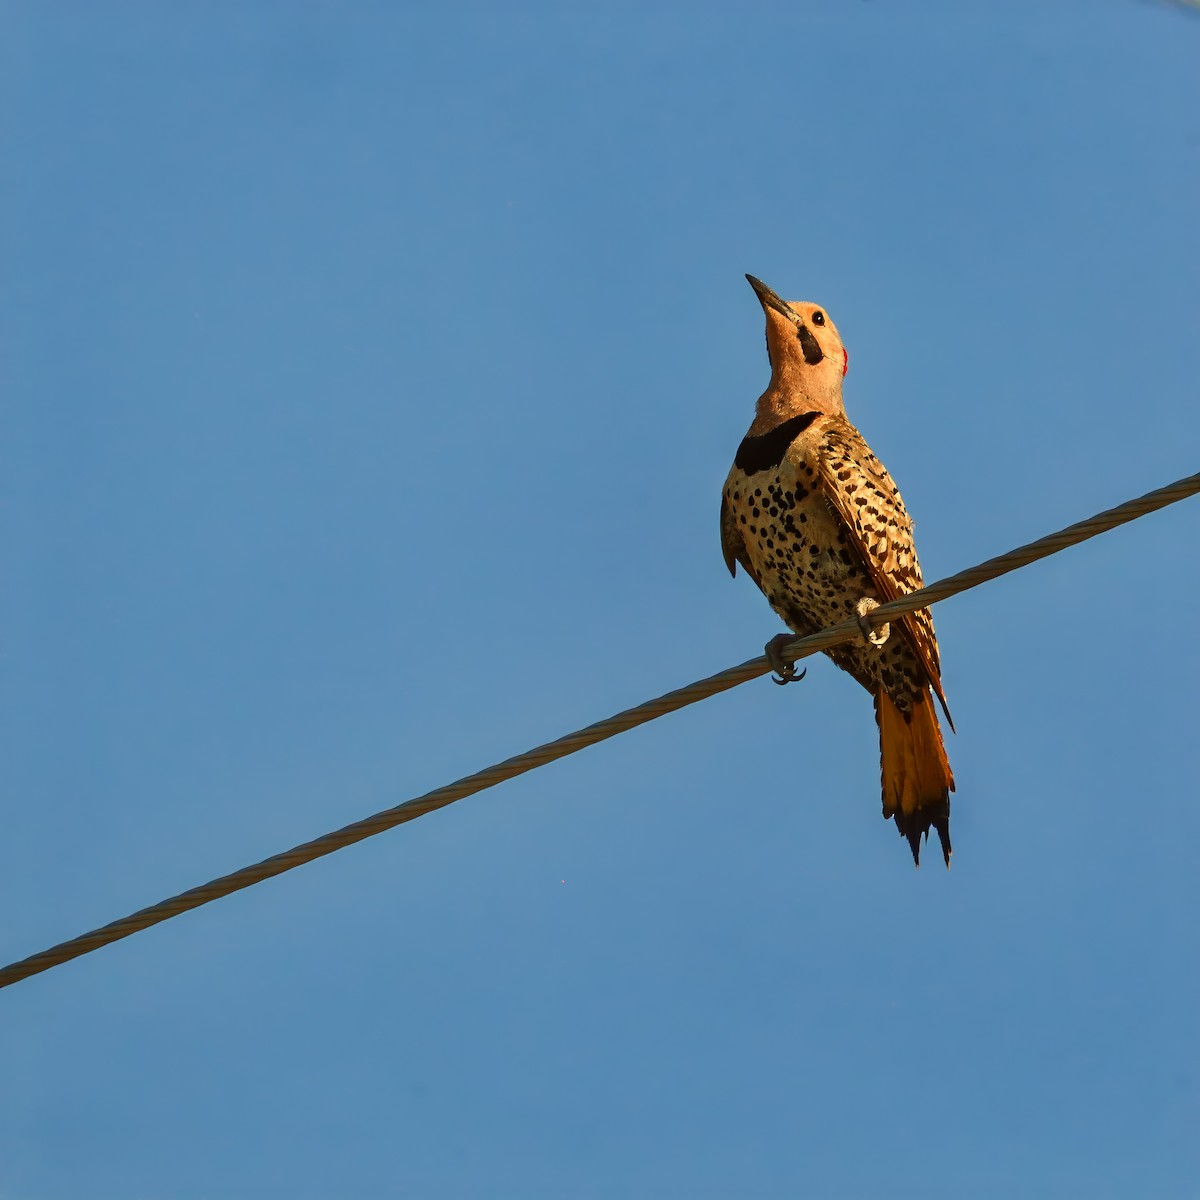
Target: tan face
(808, 333)
(801, 334)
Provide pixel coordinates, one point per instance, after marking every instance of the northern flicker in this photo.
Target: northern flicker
(815, 520)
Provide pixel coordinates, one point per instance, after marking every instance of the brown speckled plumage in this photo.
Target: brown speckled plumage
(815, 520)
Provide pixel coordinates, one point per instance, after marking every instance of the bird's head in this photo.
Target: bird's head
(807, 357)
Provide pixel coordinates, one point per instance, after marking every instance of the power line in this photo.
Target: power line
(602, 730)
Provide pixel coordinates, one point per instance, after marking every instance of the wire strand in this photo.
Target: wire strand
(600, 731)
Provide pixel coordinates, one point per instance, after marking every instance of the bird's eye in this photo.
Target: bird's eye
(818, 318)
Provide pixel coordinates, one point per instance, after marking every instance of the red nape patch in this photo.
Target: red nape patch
(845, 361)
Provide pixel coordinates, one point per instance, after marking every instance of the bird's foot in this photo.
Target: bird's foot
(785, 670)
(875, 637)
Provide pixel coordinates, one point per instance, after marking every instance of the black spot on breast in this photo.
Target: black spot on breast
(795, 617)
(767, 450)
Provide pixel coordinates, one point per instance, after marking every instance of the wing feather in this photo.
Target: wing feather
(732, 545)
(881, 532)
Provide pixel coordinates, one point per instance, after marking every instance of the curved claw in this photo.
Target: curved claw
(872, 636)
(790, 676)
(785, 671)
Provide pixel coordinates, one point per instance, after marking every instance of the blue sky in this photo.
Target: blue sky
(370, 376)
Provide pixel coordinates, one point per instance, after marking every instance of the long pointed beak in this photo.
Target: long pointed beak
(769, 299)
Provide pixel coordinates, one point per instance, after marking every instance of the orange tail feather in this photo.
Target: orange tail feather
(917, 780)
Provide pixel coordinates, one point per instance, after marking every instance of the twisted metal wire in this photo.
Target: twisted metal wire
(611, 726)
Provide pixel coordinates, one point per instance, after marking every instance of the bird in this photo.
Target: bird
(813, 517)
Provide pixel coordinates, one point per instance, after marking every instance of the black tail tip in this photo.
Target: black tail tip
(918, 825)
